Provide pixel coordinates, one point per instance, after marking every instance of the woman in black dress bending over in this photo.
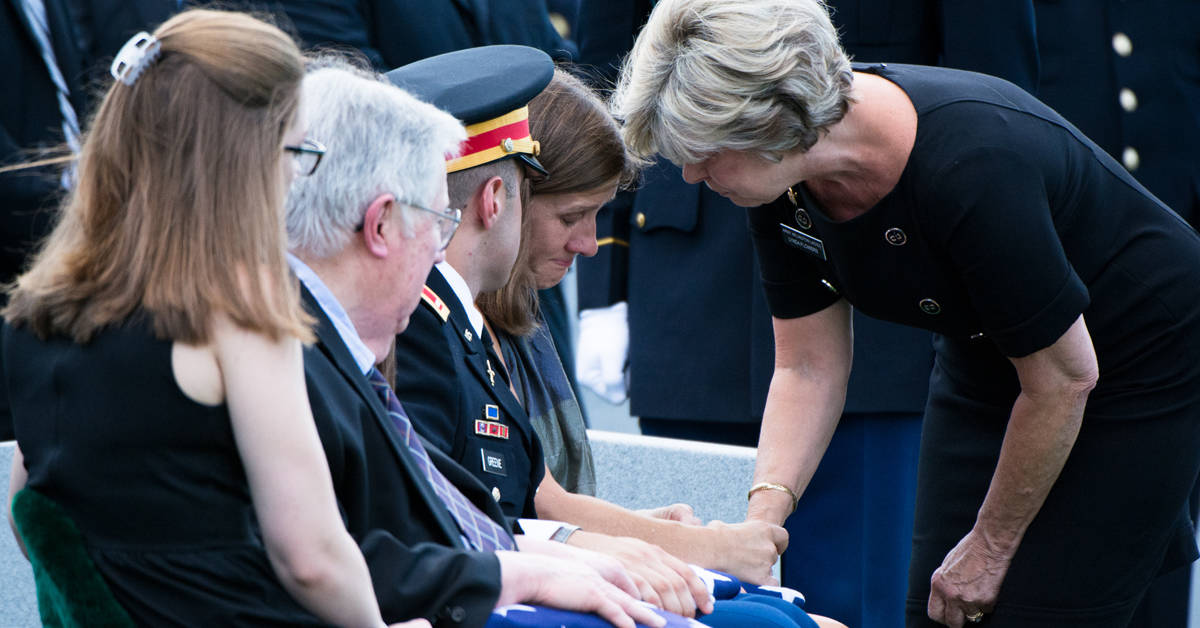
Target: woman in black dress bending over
(1062, 433)
(152, 357)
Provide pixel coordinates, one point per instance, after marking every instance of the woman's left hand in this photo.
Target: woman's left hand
(968, 581)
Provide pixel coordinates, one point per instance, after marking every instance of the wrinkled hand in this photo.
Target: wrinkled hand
(570, 585)
(602, 351)
(748, 550)
(662, 579)
(968, 580)
(675, 512)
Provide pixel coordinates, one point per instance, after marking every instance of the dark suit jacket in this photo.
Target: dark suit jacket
(442, 375)
(1083, 76)
(411, 542)
(689, 270)
(30, 119)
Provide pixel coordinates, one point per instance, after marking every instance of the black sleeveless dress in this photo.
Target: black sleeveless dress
(152, 479)
(1004, 227)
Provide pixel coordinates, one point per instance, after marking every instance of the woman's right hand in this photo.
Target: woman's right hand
(557, 583)
(746, 550)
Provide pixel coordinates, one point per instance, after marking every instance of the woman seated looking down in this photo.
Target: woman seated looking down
(152, 352)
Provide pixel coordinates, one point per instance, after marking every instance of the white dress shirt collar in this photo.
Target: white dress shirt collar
(363, 357)
(459, 286)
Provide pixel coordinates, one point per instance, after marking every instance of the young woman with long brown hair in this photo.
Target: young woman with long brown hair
(152, 352)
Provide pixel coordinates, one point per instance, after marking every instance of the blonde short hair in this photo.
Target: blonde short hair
(756, 75)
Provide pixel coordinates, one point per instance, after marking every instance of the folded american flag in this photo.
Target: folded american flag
(523, 616)
(722, 586)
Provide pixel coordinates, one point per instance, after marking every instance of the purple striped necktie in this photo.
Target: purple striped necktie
(483, 533)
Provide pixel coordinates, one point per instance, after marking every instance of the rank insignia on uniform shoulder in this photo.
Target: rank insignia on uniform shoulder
(435, 303)
(491, 429)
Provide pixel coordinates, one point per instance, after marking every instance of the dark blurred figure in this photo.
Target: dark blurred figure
(392, 33)
(700, 341)
(1128, 75)
(41, 108)
(563, 14)
(105, 25)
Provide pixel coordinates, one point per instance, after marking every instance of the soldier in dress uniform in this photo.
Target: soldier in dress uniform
(447, 368)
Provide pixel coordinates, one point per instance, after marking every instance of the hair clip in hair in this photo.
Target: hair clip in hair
(135, 56)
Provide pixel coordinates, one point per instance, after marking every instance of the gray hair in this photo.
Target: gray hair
(378, 139)
(755, 75)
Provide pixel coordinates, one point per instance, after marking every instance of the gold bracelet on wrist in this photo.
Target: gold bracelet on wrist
(772, 486)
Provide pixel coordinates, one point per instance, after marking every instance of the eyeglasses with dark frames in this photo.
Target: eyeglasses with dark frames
(306, 157)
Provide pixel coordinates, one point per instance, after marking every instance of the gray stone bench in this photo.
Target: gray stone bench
(18, 598)
(638, 472)
(646, 472)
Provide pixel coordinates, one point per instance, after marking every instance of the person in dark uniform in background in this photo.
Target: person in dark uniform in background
(1128, 75)
(705, 377)
(1065, 301)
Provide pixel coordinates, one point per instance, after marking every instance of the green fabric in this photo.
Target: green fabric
(70, 591)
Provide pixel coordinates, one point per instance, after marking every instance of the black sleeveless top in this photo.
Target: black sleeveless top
(152, 478)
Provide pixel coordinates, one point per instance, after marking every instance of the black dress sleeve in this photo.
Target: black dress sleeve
(793, 281)
(993, 219)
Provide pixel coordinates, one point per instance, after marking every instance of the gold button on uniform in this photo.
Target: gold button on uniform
(1130, 158)
(641, 220)
(496, 493)
(930, 307)
(1122, 45)
(1128, 99)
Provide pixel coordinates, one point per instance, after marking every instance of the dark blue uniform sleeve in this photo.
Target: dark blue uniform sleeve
(993, 218)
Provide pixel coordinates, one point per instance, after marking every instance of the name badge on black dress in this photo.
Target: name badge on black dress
(798, 239)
